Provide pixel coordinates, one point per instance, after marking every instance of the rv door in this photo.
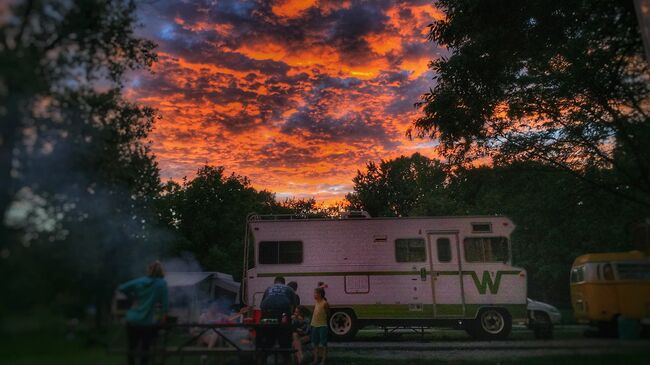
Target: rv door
(446, 275)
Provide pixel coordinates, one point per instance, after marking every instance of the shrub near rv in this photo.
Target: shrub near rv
(425, 271)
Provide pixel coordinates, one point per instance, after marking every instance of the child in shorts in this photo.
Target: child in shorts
(319, 326)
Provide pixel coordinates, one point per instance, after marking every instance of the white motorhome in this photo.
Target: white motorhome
(425, 271)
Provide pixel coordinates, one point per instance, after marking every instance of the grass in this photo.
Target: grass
(35, 340)
(47, 347)
(54, 349)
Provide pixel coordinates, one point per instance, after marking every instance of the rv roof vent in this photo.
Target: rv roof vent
(481, 227)
(355, 214)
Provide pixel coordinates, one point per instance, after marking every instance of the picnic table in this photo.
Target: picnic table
(246, 353)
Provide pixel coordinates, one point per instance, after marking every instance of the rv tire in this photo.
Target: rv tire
(343, 324)
(490, 324)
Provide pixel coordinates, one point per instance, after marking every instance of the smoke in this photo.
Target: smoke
(84, 215)
(184, 262)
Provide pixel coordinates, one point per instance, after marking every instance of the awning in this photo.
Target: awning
(184, 279)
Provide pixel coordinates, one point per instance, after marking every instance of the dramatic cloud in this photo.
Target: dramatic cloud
(295, 94)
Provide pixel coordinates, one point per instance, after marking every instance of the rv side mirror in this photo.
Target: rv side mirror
(423, 274)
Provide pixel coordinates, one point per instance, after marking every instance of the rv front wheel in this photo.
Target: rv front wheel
(491, 324)
(342, 324)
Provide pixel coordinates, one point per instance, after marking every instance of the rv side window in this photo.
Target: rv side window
(444, 249)
(280, 252)
(410, 250)
(486, 249)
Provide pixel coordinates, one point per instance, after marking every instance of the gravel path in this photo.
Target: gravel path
(567, 344)
(473, 350)
(468, 355)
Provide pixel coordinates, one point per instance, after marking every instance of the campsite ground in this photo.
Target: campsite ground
(51, 345)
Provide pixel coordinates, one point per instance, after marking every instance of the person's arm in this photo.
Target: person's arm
(127, 287)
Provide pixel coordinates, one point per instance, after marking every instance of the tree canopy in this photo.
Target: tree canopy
(397, 187)
(49, 49)
(76, 171)
(559, 82)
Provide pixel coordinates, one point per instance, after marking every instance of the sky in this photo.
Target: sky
(297, 95)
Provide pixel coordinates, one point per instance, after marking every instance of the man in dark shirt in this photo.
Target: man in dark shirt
(277, 304)
(278, 299)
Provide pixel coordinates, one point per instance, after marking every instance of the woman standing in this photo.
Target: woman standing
(319, 326)
(147, 313)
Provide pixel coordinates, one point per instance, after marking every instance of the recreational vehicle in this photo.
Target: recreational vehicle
(428, 271)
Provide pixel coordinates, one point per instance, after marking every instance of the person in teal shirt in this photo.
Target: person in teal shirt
(150, 304)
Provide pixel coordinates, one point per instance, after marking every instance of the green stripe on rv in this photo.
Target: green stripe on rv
(405, 311)
(483, 284)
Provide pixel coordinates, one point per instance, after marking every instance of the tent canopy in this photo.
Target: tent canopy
(184, 279)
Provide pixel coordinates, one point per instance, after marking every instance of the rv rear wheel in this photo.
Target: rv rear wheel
(491, 324)
(343, 324)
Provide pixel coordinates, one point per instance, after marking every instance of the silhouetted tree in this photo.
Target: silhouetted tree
(559, 82)
(75, 165)
(209, 214)
(309, 207)
(49, 48)
(396, 187)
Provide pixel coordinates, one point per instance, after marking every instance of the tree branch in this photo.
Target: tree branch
(581, 177)
(619, 122)
(23, 24)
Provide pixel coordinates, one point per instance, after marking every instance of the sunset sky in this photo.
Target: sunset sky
(297, 95)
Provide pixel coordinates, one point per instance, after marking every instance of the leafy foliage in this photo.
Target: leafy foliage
(559, 82)
(395, 188)
(76, 171)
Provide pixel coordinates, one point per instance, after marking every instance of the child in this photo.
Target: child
(319, 325)
(301, 331)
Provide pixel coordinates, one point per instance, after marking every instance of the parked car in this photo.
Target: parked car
(542, 318)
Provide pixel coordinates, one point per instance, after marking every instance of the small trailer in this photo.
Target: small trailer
(424, 271)
(190, 293)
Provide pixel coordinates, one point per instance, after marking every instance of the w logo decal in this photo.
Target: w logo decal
(485, 283)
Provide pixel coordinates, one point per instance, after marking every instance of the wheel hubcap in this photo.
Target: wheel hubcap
(492, 322)
(341, 323)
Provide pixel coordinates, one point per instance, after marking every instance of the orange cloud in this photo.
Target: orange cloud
(292, 8)
(295, 99)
